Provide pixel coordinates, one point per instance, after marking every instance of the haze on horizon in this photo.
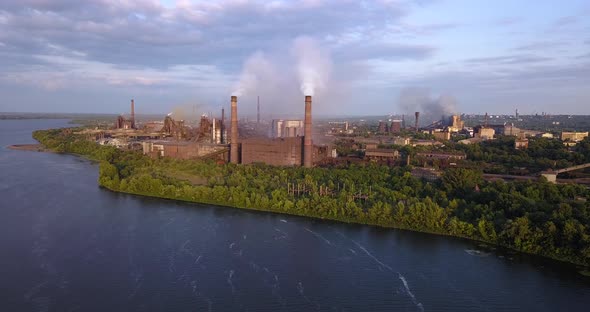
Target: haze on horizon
(489, 56)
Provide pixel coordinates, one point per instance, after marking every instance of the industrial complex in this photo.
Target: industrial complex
(295, 142)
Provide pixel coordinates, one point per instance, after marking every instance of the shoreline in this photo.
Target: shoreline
(28, 147)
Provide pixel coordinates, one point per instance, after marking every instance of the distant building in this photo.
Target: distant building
(279, 151)
(521, 143)
(442, 135)
(511, 130)
(498, 129)
(287, 128)
(425, 143)
(485, 133)
(381, 154)
(369, 146)
(122, 123)
(180, 149)
(573, 136)
(382, 127)
(396, 126)
(547, 135)
(471, 141)
(339, 127)
(456, 124)
(442, 155)
(401, 141)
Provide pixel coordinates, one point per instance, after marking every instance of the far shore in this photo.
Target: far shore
(28, 147)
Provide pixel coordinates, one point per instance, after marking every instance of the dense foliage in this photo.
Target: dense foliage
(534, 217)
(500, 156)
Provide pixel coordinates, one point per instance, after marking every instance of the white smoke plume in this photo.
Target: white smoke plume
(314, 64)
(256, 69)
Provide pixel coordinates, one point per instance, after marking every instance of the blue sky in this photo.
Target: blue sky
(487, 56)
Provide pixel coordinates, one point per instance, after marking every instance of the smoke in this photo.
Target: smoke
(420, 100)
(277, 75)
(314, 64)
(187, 112)
(255, 71)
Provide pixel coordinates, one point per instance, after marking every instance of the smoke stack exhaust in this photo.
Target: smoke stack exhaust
(132, 114)
(417, 119)
(233, 148)
(307, 143)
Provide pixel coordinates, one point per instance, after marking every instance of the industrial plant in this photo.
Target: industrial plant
(290, 143)
(327, 142)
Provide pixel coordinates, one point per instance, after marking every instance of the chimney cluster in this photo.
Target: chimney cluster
(307, 141)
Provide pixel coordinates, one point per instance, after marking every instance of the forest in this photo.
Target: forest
(536, 217)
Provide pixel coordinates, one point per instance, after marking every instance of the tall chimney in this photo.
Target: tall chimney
(417, 119)
(132, 114)
(233, 148)
(258, 116)
(307, 144)
(222, 125)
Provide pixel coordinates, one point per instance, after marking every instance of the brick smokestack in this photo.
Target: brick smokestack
(233, 148)
(417, 119)
(307, 143)
(132, 114)
(222, 125)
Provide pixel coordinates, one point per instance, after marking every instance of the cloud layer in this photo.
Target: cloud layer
(165, 52)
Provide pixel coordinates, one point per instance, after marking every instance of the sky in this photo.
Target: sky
(365, 57)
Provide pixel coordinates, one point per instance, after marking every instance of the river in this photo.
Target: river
(68, 245)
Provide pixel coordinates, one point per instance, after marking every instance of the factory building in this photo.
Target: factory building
(124, 123)
(180, 149)
(485, 133)
(382, 128)
(338, 127)
(396, 126)
(455, 124)
(279, 151)
(442, 155)
(211, 130)
(521, 143)
(381, 154)
(441, 135)
(287, 150)
(573, 136)
(286, 128)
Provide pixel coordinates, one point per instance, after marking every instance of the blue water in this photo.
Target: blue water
(67, 245)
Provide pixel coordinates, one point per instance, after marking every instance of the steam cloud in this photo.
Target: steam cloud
(313, 64)
(255, 69)
(312, 69)
(420, 99)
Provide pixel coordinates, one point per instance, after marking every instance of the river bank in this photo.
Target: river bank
(28, 147)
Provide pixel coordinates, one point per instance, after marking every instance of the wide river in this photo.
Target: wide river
(68, 245)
